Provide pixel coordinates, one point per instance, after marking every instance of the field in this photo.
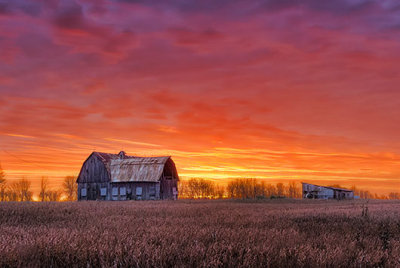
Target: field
(272, 233)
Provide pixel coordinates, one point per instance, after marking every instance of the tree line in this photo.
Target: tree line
(196, 188)
(20, 190)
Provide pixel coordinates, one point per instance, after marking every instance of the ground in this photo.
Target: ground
(271, 233)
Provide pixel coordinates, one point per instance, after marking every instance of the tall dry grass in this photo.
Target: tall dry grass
(275, 233)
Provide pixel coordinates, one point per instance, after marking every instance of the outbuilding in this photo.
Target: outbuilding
(105, 176)
(312, 191)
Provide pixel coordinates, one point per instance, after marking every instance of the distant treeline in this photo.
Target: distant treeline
(20, 190)
(194, 188)
(198, 188)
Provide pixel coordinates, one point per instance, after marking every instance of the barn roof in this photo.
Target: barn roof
(133, 168)
(146, 169)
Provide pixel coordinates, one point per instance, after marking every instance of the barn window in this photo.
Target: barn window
(114, 191)
(103, 191)
(138, 190)
(83, 192)
(122, 191)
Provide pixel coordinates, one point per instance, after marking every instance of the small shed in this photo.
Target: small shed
(105, 176)
(312, 191)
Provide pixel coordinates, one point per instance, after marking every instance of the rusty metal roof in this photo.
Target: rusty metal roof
(329, 187)
(143, 169)
(133, 168)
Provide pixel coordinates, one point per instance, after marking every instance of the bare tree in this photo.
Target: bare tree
(21, 191)
(293, 190)
(43, 188)
(270, 190)
(200, 188)
(219, 191)
(183, 189)
(2, 184)
(280, 188)
(53, 196)
(70, 188)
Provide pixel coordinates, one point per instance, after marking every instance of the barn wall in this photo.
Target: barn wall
(93, 170)
(169, 181)
(93, 191)
(167, 189)
(131, 191)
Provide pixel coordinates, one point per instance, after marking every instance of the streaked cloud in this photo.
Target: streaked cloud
(268, 89)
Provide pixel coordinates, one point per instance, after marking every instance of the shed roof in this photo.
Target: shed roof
(328, 187)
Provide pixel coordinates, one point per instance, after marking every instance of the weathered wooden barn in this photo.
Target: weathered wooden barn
(105, 176)
(312, 191)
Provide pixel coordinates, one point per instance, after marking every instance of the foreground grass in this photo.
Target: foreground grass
(272, 233)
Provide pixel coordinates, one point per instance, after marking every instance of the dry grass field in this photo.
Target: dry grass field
(273, 233)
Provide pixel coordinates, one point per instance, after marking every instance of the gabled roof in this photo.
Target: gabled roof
(146, 169)
(124, 168)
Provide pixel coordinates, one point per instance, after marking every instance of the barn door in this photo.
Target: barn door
(92, 192)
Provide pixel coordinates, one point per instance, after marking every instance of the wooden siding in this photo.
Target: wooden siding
(93, 170)
(149, 191)
(93, 191)
(166, 189)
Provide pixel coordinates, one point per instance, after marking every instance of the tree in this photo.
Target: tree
(70, 188)
(219, 191)
(2, 185)
(20, 191)
(53, 196)
(280, 188)
(270, 190)
(43, 188)
(293, 190)
(183, 189)
(200, 188)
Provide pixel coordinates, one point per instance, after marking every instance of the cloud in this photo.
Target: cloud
(70, 16)
(307, 86)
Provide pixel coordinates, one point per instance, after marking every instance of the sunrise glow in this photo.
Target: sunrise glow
(273, 90)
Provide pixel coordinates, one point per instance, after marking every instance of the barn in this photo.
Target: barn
(105, 176)
(312, 191)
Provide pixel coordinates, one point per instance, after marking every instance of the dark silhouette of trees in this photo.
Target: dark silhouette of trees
(53, 196)
(293, 191)
(47, 194)
(201, 188)
(255, 189)
(43, 188)
(238, 189)
(70, 188)
(2, 184)
(20, 191)
(280, 189)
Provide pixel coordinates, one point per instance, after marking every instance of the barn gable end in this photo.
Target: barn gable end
(94, 169)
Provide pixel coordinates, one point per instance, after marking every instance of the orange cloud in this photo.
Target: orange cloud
(272, 90)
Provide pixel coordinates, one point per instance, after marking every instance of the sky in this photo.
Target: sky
(280, 90)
